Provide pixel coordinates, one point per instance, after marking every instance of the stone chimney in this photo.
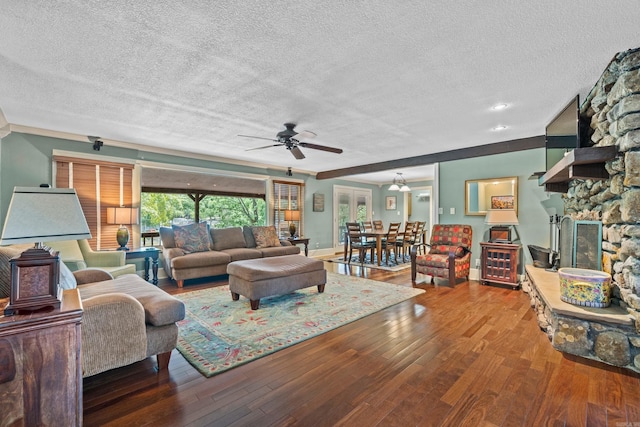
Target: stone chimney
(613, 106)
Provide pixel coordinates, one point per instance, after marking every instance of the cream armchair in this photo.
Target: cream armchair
(78, 255)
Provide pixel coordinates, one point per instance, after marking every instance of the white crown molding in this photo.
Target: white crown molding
(146, 148)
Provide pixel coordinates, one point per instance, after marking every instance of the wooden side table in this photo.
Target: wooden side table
(500, 263)
(301, 240)
(40, 365)
(150, 255)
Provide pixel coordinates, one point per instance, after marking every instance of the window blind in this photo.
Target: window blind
(285, 196)
(99, 185)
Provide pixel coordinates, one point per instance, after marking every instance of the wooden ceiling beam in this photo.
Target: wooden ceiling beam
(462, 153)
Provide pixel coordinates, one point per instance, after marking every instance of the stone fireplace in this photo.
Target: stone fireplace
(613, 105)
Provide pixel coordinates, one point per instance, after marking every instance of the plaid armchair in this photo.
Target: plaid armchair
(449, 255)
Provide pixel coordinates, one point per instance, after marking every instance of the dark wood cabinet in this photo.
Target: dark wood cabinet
(500, 263)
(40, 366)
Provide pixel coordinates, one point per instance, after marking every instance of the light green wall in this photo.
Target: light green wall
(534, 204)
(26, 160)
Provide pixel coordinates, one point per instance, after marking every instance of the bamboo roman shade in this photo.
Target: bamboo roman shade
(99, 185)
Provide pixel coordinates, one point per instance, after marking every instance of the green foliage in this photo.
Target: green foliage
(161, 209)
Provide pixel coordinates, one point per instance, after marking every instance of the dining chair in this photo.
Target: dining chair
(378, 225)
(367, 226)
(419, 235)
(406, 238)
(356, 241)
(390, 242)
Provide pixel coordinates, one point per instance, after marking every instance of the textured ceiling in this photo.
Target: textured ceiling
(379, 79)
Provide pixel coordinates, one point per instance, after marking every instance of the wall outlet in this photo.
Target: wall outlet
(477, 262)
(317, 245)
(452, 211)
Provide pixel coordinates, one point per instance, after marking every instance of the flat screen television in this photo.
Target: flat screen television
(563, 133)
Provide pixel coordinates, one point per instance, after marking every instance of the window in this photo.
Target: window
(164, 209)
(287, 196)
(99, 185)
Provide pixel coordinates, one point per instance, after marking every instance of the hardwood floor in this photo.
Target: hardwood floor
(470, 355)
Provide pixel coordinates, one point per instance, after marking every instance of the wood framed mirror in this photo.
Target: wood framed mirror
(480, 195)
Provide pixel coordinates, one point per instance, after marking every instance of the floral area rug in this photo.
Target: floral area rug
(219, 334)
(390, 265)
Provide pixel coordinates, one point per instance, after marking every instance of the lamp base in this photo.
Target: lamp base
(34, 281)
(122, 236)
(292, 229)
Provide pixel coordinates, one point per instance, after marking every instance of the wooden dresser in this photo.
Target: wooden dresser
(40, 366)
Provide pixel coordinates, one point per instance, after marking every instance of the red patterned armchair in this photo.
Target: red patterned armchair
(449, 255)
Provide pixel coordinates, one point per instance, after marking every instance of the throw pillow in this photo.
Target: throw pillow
(227, 238)
(67, 279)
(248, 236)
(266, 237)
(192, 237)
(167, 237)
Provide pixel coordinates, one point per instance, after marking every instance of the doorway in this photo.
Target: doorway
(349, 204)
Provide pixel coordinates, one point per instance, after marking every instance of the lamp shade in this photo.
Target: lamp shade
(122, 216)
(501, 217)
(291, 215)
(399, 184)
(44, 214)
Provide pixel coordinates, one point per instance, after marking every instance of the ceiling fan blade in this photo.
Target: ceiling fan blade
(321, 147)
(260, 148)
(297, 153)
(305, 134)
(258, 137)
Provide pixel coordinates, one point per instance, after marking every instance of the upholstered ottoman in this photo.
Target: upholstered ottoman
(264, 277)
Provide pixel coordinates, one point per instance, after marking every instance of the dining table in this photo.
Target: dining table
(378, 234)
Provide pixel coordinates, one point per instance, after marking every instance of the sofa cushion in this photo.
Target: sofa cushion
(200, 259)
(445, 249)
(266, 237)
(237, 254)
(227, 238)
(67, 279)
(280, 250)
(166, 236)
(248, 236)
(191, 237)
(160, 308)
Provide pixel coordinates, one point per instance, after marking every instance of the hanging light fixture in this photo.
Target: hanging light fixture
(399, 184)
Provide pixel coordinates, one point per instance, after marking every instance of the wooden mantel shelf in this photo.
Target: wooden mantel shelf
(581, 163)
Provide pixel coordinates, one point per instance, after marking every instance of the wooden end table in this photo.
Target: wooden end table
(301, 240)
(150, 255)
(500, 263)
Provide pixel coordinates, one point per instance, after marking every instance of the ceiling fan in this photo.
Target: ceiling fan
(291, 139)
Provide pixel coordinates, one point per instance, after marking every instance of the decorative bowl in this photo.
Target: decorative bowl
(584, 287)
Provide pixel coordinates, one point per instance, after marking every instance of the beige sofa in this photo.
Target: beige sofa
(125, 320)
(225, 245)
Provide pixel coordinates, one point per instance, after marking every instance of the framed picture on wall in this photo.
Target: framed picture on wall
(318, 202)
(390, 203)
(501, 202)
